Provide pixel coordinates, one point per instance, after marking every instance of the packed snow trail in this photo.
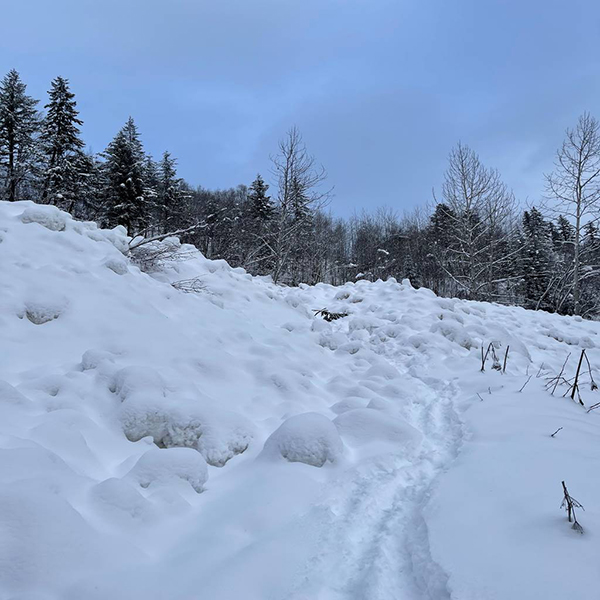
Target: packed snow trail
(228, 443)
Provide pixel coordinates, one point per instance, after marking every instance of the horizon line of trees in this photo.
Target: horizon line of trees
(473, 242)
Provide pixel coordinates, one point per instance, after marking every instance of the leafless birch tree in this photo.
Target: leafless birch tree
(574, 186)
(480, 208)
(299, 180)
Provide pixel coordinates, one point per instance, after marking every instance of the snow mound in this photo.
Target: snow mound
(368, 425)
(309, 438)
(47, 216)
(136, 379)
(40, 310)
(9, 395)
(163, 467)
(217, 434)
(117, 265)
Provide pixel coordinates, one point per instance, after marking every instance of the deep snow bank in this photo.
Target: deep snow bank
(227, 443)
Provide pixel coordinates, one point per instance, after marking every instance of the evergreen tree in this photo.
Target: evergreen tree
(126, 200)
(19, 127)
(537, 260)
(87, 188)
(171, 194)
(61, 146)
(261, 207)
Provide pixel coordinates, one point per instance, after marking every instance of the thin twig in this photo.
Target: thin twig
(528, 379)
(505, 359)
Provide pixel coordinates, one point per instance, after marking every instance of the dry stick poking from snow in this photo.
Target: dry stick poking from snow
(479, 396)
(528, 379)
(570, 504)
(593, 385)
(505, 359)
(556, 380)
(539, 371)
(575, 386)
(496, 363)
(553, 434)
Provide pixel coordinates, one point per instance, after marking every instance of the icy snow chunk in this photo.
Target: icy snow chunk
(48, 216)
(217, 434)
(365, 425)
(142, 415)
(117, 237)
(225, 434)
(117, 265)
(169, 465)
(44, 309)
(308, 438)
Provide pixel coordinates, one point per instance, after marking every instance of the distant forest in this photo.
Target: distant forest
(474, 241)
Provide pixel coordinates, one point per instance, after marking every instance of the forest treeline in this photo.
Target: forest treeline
(474, 241)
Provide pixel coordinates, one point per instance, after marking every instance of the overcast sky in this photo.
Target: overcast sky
(380, 89)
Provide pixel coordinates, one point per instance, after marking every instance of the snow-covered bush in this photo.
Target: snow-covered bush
(309, 438)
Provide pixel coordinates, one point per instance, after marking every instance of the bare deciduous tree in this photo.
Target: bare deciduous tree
(480, 208)
(299, 181)
(574, 186)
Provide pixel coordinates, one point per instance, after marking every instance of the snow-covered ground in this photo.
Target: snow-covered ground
(228, 443)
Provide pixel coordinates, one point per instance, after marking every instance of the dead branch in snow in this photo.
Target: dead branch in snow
(329, 316)
(570, 504)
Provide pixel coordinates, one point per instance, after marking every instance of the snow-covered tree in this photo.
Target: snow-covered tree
(126, 199)
(19, 129)
(261, 207)
(61, 146)
(171, 194)
(537, 260)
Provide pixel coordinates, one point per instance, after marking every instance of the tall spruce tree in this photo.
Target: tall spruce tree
(61, 146)
(19, 128)
(261, 207)
(89, 185)
(537, 260)
(126, 200)
(171, 194)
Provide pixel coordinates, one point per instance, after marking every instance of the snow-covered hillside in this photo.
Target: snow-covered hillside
(228, 443)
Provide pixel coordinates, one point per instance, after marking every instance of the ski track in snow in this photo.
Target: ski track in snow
(377, 546)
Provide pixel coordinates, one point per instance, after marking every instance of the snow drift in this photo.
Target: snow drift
(227, 443)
